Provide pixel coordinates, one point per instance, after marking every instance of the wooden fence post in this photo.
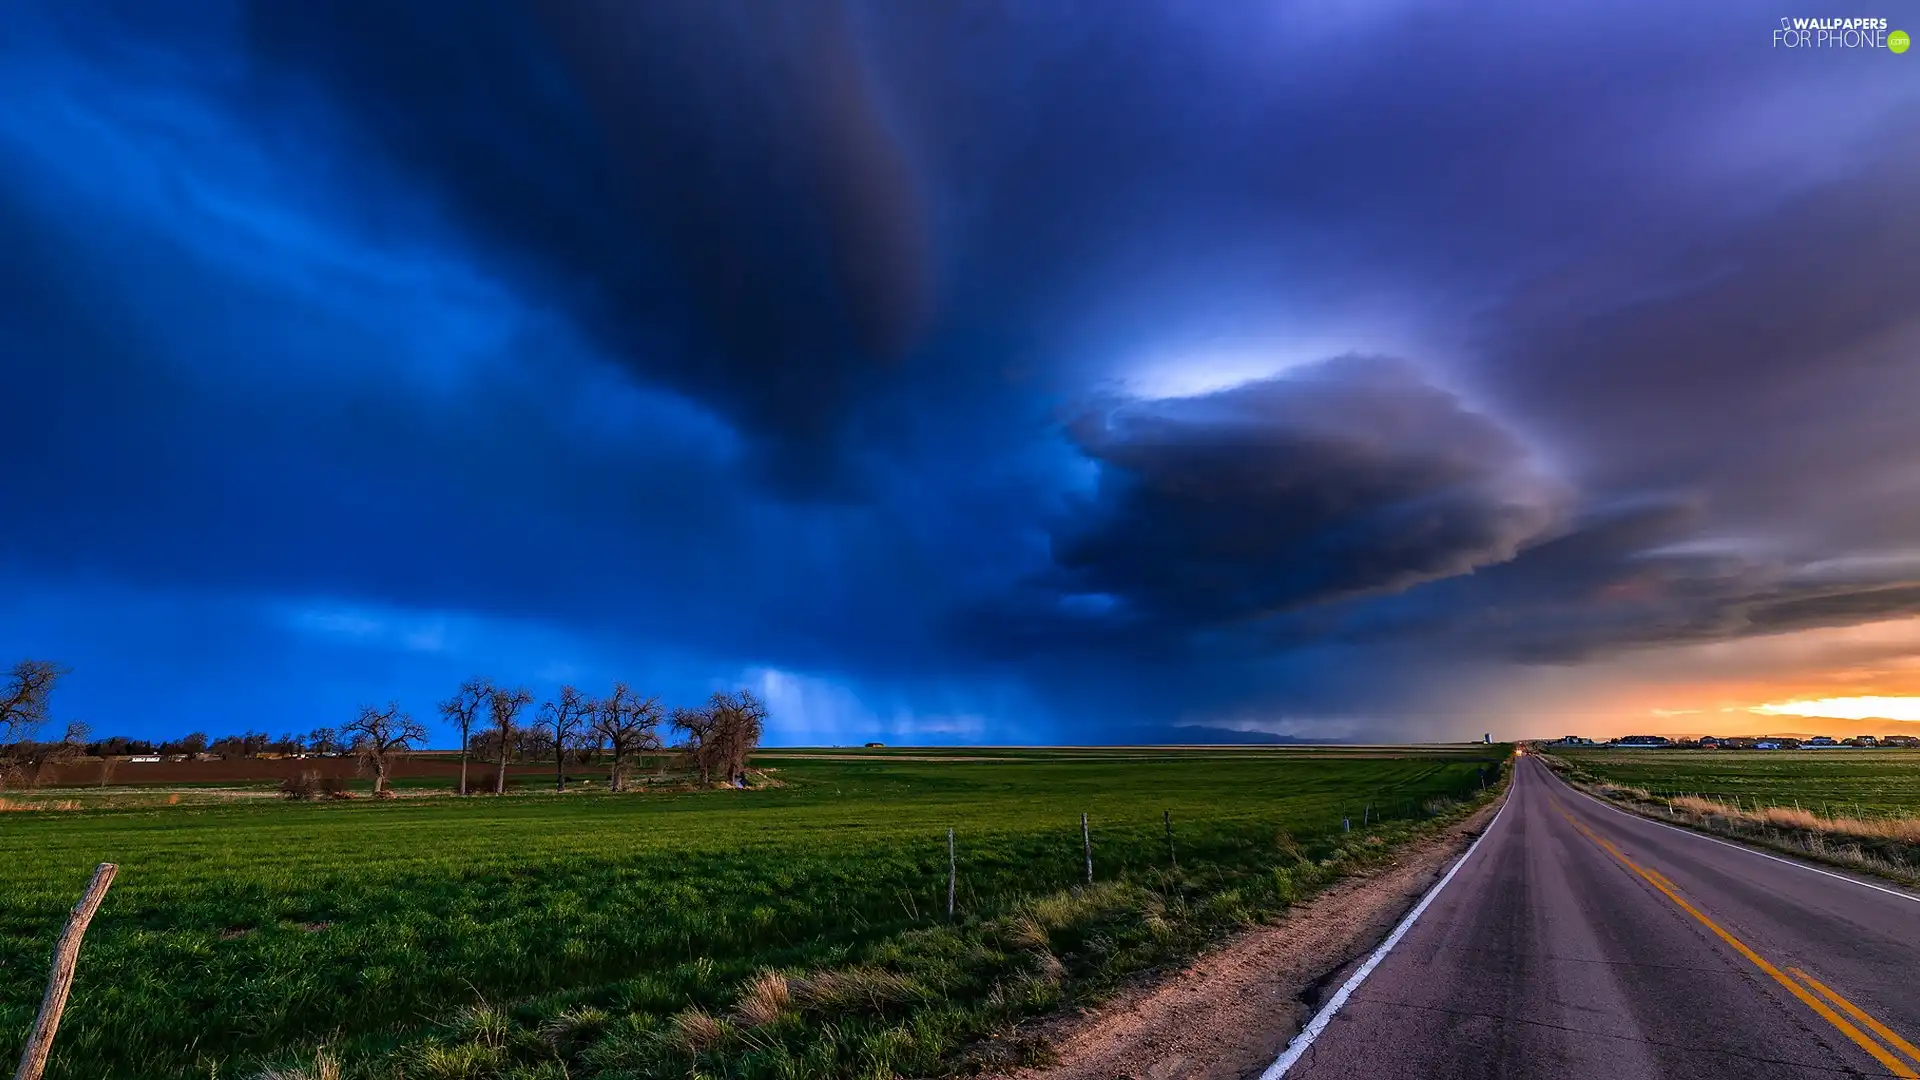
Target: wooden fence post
(1086, 841)
(953, 874)
(66, 953)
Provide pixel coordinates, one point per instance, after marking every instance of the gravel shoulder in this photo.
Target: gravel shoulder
(1229, 1014)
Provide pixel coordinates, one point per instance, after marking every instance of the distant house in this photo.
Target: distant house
(1909, 741)
(875, 745)
(1642, 742)
(1767, 744)
(1709, 742)
(1863, 740)
(1575, 740)
(145, 757)
(1821, 740)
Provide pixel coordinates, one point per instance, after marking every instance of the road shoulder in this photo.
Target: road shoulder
(1231, 1011)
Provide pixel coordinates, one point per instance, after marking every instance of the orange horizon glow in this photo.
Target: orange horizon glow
(1848, 708)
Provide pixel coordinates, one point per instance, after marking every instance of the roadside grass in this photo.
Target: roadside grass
(1881, 836)
(790, 932)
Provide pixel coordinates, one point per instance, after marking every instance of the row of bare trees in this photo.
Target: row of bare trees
(718, 735)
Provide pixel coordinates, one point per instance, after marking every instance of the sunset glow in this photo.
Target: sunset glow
(1850, 708)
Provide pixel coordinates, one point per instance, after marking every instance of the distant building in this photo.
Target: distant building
(1575, 740)
(1642, 742)
(1821, 740)
(872, 745)
(1766, 744)
(1709, 742)
(1909, 741)
(1487, 738)
(145, 757)
(1863, 740)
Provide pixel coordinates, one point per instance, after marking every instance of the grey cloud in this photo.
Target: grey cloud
(1349, 477)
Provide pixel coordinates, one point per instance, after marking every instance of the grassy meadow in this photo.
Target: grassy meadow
(798, 930)
(1830, 783)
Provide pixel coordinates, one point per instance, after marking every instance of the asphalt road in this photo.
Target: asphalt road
(1580, 941)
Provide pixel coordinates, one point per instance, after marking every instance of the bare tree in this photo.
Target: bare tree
(378, 736)
(323, 740)
(564, 718)
(697, 724)
(627, 725)
(739, 720)
(23, 700)
(461, 710)
(505, 706)
(29, 762)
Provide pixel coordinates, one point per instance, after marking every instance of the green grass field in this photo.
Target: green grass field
(1831, 783)
(591, 935)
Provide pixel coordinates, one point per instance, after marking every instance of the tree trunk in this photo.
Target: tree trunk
(559, 764)
(463, 763)
(618, 780)
(380, 776)
(500, 777)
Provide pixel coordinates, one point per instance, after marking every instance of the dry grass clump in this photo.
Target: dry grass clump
(574, 1027)
(64, 804)
(694, 1030)
(846, 989)
(764, 999)
(461, 1061)
(1623, 791)
(1026, 932)
(1049, 969)
(481, 1024)
(325, 1067)
(1285, 844)
(1905, 830)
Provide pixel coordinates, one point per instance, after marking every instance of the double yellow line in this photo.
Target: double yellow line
(1813, 994)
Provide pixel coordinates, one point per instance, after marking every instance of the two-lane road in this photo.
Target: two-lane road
(1580, 941)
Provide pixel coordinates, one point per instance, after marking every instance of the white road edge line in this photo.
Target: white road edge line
(1741, 847)
(1304, 1041)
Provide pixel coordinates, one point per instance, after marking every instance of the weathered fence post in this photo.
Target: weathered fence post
(953, 874)
(1086, 841)
(1167, 816)
(66, 953)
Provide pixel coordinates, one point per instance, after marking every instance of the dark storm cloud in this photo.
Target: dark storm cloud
(1343, 478)
(716, 195)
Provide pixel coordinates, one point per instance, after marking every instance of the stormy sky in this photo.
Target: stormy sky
(957, 372)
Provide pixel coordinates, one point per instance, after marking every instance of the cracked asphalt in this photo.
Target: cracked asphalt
(1580, 941)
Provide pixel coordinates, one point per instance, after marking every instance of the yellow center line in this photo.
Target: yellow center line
(1859, 1014)
(1893, 1064)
